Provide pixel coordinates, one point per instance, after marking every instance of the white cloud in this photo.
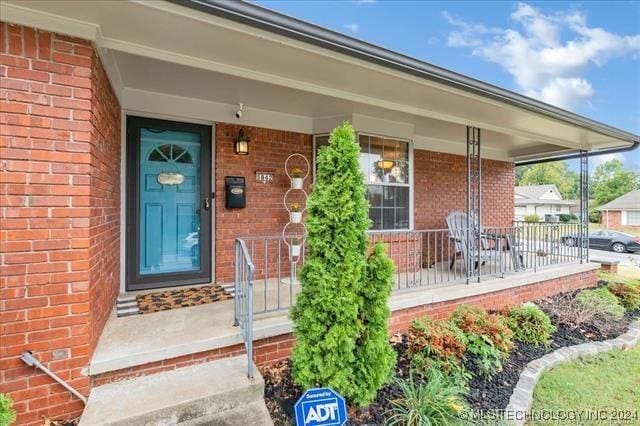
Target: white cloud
(354, 28)
(547, 54)
(596, 160)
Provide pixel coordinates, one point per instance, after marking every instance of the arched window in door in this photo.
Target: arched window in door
(170, 153)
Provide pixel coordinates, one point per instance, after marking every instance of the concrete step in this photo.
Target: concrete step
(254, 414)
(212, 393)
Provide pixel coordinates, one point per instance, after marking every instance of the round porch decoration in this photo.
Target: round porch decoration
(297, 177)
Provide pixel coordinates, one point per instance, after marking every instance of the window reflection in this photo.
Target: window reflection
(385, 165)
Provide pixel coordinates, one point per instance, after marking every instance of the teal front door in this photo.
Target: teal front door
(169, 203)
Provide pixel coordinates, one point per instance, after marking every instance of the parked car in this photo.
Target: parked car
(620, 242)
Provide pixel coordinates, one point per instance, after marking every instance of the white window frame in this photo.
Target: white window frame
(411, 174)
(626, 217)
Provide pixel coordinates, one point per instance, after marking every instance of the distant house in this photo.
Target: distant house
(541, 200)
(623, 211)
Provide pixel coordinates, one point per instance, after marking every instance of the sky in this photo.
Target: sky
(581, 56)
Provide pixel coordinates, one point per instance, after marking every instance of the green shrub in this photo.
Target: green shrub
(340, 342)
(594, 216)
(532, 218)
(375, 358)
(7, 413)
(434, 399)
(486, 335)
(531, 325)
(436, 344)
(567, 217)
(628, 295)
(602, 301)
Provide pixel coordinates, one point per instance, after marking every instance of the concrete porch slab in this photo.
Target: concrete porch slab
(140, 339)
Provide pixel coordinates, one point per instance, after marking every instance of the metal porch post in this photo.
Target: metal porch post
(584, 207)
(474, 201)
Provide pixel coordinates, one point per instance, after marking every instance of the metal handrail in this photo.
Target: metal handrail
(243, 301)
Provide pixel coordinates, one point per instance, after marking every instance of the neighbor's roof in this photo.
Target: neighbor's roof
(628, 201)
(531, 194)
(251, 14)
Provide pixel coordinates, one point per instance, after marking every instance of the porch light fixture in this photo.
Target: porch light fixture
(241, 144)
(385, 164)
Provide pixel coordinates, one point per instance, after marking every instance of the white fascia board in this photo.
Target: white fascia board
(16, 14)
(380, 126)
(199, 110)
(456, 147)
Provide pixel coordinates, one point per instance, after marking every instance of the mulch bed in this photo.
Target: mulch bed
(485, 393)
(181, 298)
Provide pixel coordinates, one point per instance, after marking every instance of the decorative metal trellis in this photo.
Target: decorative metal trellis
(294, 254)
(584, 207)
(474, 199)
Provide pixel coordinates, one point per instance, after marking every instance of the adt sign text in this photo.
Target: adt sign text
(321, 407)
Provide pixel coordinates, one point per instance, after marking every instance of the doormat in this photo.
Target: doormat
(182, 298)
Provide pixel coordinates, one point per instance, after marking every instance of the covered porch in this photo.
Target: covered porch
(455, 140)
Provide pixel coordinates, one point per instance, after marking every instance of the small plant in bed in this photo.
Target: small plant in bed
(432, 342)
(602, 301)
(429, 399)
(530, 324)
(628, 295)
(487, 337)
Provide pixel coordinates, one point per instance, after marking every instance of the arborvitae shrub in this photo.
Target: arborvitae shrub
(375, 358)
(531, 325)
(340, 315)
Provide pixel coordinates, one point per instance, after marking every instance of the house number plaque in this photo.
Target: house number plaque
(264, 177)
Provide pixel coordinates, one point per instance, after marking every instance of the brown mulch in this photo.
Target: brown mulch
(182, 298)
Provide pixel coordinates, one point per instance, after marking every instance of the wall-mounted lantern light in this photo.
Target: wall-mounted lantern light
(241, 144)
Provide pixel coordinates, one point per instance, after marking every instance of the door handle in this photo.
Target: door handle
(206, 203)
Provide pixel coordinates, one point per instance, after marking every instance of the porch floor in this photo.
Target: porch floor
(140, 339)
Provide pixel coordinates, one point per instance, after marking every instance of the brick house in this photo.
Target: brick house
(622, 212)
(117, 137)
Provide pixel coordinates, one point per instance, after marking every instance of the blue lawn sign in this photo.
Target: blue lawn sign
(321, 407)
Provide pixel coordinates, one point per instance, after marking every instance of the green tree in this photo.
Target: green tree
(375, 358)
(610, 180)
(556, 173)
(338, 338)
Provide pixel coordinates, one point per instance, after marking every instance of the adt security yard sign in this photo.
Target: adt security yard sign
(321, 407)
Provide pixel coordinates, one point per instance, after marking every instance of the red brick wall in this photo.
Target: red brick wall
(265, 214)
(440, 187)
(59, 169)
(440, 182)
(611, 219)
(105, 200)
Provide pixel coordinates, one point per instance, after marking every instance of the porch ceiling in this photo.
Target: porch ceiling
(195, 55)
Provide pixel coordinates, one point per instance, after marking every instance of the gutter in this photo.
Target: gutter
(259, 17)
(633, 146)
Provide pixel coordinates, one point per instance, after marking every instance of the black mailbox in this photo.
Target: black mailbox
(236, 192)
